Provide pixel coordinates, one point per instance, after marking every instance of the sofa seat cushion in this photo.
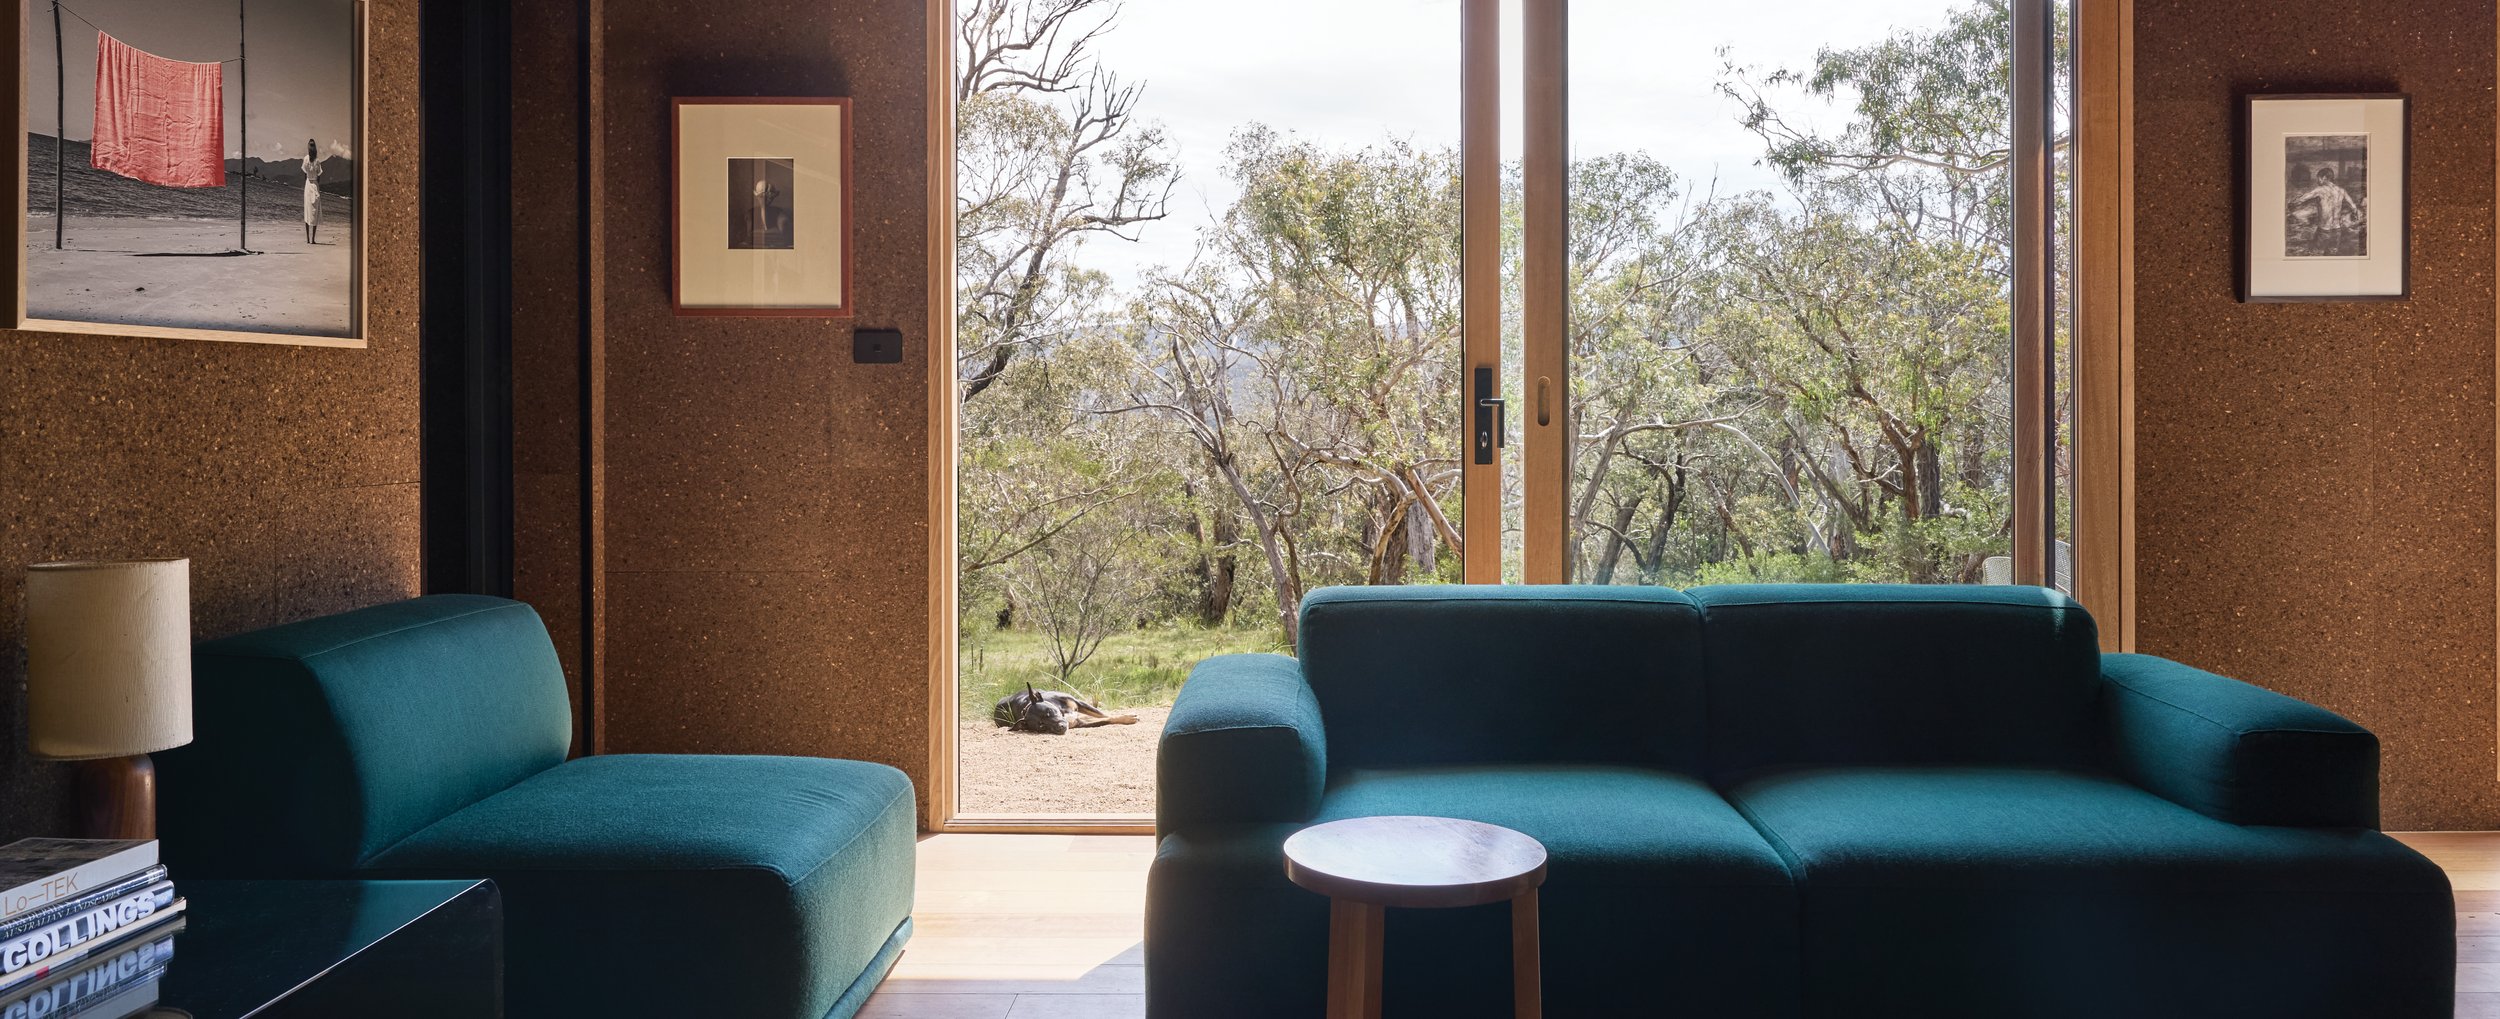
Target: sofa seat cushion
(1656, 891)
(1616, 824)
(2029, 892)
(693, 885)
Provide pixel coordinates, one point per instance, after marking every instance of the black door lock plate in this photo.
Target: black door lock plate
(1492, 429)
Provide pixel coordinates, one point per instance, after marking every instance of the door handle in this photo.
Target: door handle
(1492, 418)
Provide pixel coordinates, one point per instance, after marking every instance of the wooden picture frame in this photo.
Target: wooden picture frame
(749, 233)
(2318, 221)
(41, 304)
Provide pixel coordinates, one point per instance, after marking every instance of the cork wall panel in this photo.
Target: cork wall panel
(288, 474)
(763, 512)
(2314, 482)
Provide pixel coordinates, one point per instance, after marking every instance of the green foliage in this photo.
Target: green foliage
(1134, 669)
(1773, 568)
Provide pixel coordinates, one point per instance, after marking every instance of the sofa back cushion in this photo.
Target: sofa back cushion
(1485, 675)
(1859, 674)
(321, 743)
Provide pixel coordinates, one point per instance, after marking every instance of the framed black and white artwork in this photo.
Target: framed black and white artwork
(2326, 214)
(762, 204)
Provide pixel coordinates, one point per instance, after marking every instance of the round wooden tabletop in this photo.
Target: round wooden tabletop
(1415, 862)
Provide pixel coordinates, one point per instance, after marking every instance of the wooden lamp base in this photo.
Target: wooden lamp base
(117, 798)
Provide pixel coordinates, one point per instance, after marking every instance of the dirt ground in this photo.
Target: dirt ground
(162, 272)
(1108, 770)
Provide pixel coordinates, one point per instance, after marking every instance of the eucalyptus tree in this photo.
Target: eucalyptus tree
(1049, 154)
(1310, 354)
(1651, 400)
(1354, 258)
(1871, 307)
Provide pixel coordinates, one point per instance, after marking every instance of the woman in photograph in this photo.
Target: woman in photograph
(312, 192)
(762, 216)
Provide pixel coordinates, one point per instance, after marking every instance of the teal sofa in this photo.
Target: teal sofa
(428, 738)
(1786, 801)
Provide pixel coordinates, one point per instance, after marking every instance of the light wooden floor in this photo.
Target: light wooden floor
(1051, 926)
(2472, 860)
(1024, 927)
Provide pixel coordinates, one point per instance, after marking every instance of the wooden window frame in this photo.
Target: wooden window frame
(2103, 428)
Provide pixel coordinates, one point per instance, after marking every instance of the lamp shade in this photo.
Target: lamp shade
(108, 658)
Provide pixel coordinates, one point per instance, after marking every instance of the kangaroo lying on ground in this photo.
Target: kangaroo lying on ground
(1049, 712)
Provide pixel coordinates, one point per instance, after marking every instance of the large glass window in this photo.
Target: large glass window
(1228, 331)
(1791, 292)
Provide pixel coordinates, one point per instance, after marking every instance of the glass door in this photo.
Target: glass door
(1226, 296)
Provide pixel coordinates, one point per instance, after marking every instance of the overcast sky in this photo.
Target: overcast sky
(299, 74)
(1354, 72)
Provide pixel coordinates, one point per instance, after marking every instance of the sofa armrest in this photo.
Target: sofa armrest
(2235, 752)
(1243, 744)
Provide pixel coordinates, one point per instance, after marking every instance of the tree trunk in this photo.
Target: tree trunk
(1387, 537)
(1654, 567)
(1288, 590)
(1654, 564)
(1930, 479)
(1606, 560)
(1202, 559)
(1727, 522)
(1587, 503)
(1420, 544)
(1215, 599)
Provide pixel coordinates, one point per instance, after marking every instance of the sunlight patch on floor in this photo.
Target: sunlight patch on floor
(1024, 927)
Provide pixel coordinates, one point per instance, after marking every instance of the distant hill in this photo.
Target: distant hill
(277, 188)
(338, 174)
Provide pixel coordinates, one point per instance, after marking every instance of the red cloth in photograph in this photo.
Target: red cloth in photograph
(157, 120)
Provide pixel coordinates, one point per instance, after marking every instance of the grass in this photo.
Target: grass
(1138, 669)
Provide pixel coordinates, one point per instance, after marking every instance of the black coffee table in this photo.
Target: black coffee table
(368, 949)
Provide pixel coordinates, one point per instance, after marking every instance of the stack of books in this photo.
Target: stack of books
(86, 928)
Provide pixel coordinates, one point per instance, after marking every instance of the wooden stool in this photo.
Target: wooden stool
(1367, 864)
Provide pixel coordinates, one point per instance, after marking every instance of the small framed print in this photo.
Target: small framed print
(762, 202)
(2326, 215)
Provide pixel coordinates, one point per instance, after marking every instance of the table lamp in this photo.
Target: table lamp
(108, 681)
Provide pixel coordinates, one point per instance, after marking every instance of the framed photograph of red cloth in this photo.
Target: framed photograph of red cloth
(761, 203)
(2326, 211)
(193, 170)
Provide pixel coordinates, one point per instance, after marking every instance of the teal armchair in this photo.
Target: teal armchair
(428, 738)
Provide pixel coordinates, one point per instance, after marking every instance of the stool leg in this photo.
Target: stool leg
(1527, 968)
(1354, 930)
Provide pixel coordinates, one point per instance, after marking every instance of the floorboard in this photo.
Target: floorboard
(1053, 927)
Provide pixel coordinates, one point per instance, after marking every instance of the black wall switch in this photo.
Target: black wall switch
(877, 346)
